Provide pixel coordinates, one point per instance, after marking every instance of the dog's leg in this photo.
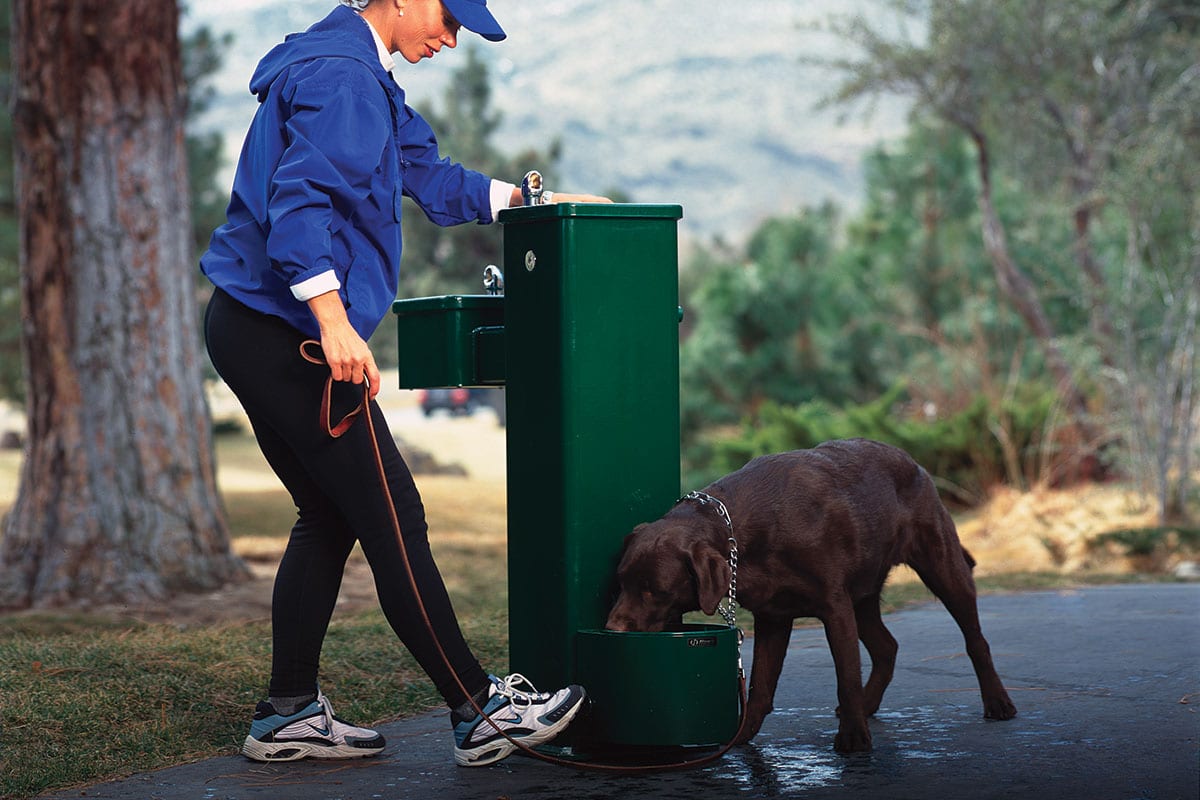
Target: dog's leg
(881, 645)
(841, 631)
(950, 579)
(771, 636)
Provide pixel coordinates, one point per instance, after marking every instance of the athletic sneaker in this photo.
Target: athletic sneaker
(312, 732)
(531, 717)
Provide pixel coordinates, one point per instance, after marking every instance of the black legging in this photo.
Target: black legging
(335, 486)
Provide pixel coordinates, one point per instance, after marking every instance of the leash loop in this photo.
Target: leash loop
(327, 425)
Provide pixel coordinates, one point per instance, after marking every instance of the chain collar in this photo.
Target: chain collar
(728, 606)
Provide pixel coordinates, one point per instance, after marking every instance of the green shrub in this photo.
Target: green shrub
(965, 452)
(1148, 541)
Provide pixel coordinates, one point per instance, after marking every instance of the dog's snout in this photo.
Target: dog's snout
(627, 615)
(633, 617)
(618, 620)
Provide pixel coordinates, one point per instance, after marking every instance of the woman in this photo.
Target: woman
(311, 250)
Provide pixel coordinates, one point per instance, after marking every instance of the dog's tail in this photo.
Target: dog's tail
(943, 521)
(947, 523)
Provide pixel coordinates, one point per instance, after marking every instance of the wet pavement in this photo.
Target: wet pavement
(1106, 680)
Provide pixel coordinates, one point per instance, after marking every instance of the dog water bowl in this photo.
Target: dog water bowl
(677, 688)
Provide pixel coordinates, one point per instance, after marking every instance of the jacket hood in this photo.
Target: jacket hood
(341, 34)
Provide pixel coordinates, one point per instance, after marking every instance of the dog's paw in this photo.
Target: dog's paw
(852, 739)
(999, 708)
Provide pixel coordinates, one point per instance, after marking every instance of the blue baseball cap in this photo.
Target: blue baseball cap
(474, 16)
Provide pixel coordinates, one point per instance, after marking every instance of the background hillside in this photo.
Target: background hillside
(708, 105)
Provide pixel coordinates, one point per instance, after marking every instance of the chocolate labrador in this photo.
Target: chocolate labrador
(817, 532)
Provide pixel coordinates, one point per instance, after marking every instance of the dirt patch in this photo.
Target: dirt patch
(248, 601)
(1048, 530)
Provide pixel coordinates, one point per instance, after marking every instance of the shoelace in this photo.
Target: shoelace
(519, 697)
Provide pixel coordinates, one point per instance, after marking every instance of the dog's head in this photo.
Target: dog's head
(667, 568)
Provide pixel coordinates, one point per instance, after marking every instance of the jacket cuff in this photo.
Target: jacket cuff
(316, 285)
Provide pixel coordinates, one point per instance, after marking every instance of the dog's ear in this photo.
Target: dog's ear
(712, 576)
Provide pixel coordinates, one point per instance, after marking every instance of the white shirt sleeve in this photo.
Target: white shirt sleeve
(501, 196)
(318, 284)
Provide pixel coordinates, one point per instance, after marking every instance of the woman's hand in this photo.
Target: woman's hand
(557, 197)
(348, 356)
(564, 197)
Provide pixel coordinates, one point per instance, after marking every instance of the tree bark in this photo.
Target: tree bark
(117, 499)
(1017, 286)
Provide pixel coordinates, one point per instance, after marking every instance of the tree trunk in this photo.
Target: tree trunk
(1085, 463)
(1084, 156)
(117, 499)
(1017, 286)
(1099, 316)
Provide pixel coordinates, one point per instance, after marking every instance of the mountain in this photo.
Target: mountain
(675, 101)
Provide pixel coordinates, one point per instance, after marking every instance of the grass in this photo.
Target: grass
(89, 697)
(86, 700)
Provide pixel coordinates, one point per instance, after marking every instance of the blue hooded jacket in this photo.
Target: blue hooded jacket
(330, 152)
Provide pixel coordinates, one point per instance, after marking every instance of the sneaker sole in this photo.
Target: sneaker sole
(502, 748)
(294, 751)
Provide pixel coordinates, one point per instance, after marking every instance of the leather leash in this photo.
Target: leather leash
(338, 430)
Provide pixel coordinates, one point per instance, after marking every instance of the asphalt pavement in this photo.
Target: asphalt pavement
(1106, 681)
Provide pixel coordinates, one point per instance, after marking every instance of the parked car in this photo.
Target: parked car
(457, 401)
(462, 401)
